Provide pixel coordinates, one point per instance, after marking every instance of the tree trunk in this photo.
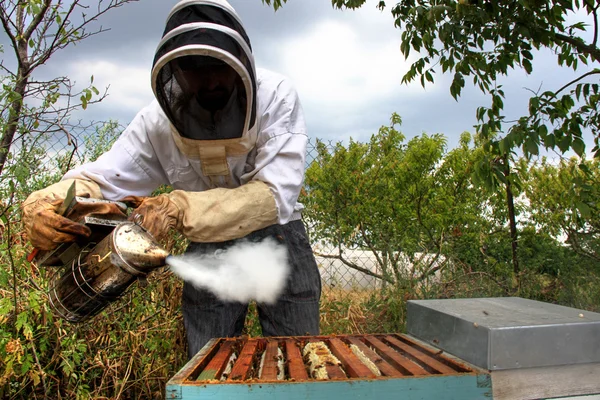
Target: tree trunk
(511, 217)
(13, 120)
(16, 106)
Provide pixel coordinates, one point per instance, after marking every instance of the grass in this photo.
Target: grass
(132, 349)
(350, 312)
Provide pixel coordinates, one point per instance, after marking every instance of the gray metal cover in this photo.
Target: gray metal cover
(507, 333)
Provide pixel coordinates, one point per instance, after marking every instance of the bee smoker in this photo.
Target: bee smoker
(97, 271)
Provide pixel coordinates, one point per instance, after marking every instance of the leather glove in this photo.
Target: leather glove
(214, 215)
(156, 214)
(46, 229)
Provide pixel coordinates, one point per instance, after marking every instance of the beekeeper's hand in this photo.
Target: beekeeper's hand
(215, 215)
(44, 227)
(156, 214)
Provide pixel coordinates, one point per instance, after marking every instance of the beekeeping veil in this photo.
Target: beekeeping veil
(204, 39)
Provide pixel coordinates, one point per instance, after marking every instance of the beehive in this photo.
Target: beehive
(357, 366)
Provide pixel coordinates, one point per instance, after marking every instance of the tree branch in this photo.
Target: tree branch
(593, 72)
(565, 86)
(20, 19)
(5, 21)
(595, 14)
(572, 240)
(53, 47)
(580, 45)
(36, 20)
(10, 256)
(354, 266)
(486, 274)
(42, 31)
(40, 369)
(420, 219)
(373, 250)
(430, 271)
(6, 70)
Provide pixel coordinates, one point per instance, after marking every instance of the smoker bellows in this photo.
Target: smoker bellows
(93, 272)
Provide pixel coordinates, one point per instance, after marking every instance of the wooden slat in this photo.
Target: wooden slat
(421, 356)
(294, 360)
(435, 353)
(352, 365)
(194, 367)
(385, 368)
(215, 367)
(270, 370)
(335, 372)
(242, 366)
(395, 358)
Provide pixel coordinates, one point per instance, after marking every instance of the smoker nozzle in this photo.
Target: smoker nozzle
(136, 250)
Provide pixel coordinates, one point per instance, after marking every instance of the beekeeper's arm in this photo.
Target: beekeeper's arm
(129, 167)
(268, 193)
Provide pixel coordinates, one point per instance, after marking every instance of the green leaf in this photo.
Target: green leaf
(534, 104)
(584, 167)
(531, 147)
(564, 143)
(429, 77)
(5, 306)
(21, 320)
(584, 209)
(549, 140)
(503, 146)
(578, 146)
(527, 65)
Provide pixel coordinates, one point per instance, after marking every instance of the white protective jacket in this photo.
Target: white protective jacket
(271, 150)
(146, 155)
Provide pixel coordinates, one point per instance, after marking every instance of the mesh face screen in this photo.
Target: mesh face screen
(187, 85)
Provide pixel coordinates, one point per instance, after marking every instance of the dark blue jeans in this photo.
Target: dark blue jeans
(295, 313)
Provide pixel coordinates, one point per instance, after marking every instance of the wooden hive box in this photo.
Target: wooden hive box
(370, 367)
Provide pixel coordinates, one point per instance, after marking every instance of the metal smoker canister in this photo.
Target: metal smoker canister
(101, 274)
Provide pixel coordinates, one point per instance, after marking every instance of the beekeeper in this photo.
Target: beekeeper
(231, 141)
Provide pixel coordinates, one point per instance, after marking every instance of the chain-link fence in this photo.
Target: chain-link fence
(342, 269)
(59, 152)
(361, 293)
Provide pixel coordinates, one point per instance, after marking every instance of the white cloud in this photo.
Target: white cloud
(129, 89)
(332, 66)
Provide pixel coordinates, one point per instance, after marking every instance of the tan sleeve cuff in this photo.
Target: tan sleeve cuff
(218, 215)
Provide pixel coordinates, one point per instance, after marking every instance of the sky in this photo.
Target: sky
(346, 65)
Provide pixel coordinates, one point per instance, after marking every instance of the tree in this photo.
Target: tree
(31, 113)
(566, 198)
(37, 29)
(485, 39)
(406, 202)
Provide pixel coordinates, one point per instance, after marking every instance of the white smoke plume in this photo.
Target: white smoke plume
(244, 272)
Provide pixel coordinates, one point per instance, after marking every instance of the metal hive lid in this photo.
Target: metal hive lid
(507, 333)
